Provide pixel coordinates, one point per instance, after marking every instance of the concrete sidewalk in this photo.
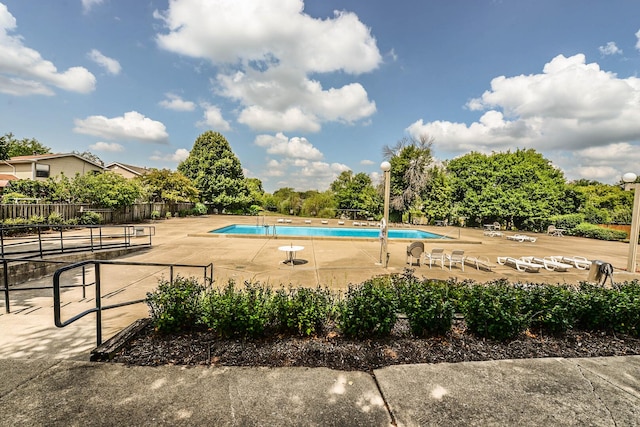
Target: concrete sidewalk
(530, 392)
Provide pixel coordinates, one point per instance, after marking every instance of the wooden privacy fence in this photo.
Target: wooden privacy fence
(134, 213)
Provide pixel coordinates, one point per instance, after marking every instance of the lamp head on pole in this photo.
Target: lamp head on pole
(628, 177)
(385, 166)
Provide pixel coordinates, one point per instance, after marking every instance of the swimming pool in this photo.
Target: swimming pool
(299, 231)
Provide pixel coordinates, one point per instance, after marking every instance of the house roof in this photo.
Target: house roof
(136, 170)
(37, 157)
(5, 178)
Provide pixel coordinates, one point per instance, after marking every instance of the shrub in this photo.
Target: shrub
(55, 218)
(183, 213)
(427, 306)
(596, 232)
(593, 307)
(155, 215)
(10, 197)
(175, 306)
(303, 310)
(72, 221)
(245, 313)
(199, 209)
(368, 309)
(567, 222)
(89, 218)
(549, 308)
(168, 215)
(625, 308)
(494, 311)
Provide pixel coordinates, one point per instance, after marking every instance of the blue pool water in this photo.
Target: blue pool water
(284, 230)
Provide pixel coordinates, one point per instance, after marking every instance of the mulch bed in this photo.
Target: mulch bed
(331, 350)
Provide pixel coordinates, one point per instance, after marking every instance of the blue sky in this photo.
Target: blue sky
(303, 90)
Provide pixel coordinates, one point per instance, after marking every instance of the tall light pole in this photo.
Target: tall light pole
(630, 185)
(384, 227)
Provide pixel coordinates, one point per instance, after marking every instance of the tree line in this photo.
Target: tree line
(519, 189)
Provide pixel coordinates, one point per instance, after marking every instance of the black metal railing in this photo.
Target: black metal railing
(97, 283)
(6, 274)
(38, 240)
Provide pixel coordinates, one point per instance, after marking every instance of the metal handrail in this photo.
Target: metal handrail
(5, 280)
(96, 239)
(99, 308)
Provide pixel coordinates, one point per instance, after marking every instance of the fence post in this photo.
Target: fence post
(5, 266)
(96, 269)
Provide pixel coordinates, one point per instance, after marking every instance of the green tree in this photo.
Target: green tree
(288, 201)
(410, 160)
(319, 204)
(164, 185)
(437, 195)
(356, 192)
(108, 190)
(519, 189)
(601, 203)
(256, 192)
(89, 156)
(23, 147)
(216, 172)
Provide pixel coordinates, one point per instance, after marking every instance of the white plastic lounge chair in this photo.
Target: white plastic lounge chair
(280, 220)
(356, 224)
(415, 251)
(549, 263)
(493, 233)
(480, 262)
(519, 264)
(579, 262)
(340, 222)
(522, 238)
(435, 256)
(324, 221)
(307, 221)
(456, 257)
(288, 221)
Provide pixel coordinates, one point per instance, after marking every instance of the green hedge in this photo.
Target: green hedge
(596, 232)
(495, 310)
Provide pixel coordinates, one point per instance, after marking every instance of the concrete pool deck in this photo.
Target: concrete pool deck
(28, 331)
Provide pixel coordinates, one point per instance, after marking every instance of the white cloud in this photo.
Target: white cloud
(88, 4)
(571, 105)
(131, 126)
(176, 103)
(367, 162)
(610, 49)
(112, 147)
(638, 42)
(213, 118)
(24, 72)
(178, 156)
(298, 148)
(111, 65)
(299, 161)
(270, 63)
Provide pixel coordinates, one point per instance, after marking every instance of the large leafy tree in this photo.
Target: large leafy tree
(164, 185)
(516, 188)
(601, 203)
(437, 195)
(12, 147)
(108, 189)
(410, 161)
(288, 201)
(319, 204)
(356, 192)
(216, 172)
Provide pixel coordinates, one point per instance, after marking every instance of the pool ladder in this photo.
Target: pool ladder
(274, 233)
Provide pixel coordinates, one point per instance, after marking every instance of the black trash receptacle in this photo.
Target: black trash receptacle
(600, 271)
